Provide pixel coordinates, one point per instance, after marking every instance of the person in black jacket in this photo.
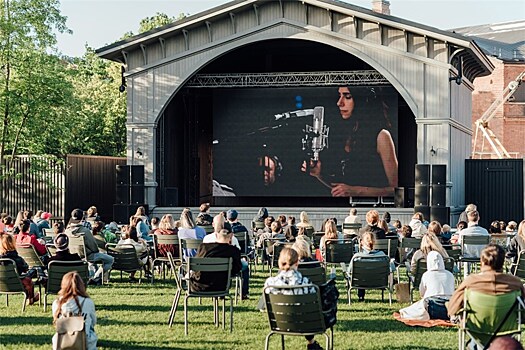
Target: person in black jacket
(62, 253)
(213, 281)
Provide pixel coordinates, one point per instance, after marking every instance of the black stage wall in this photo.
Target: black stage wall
(185, 133)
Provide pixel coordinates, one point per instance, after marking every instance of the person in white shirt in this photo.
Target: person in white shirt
(352, 219)
(473, 229)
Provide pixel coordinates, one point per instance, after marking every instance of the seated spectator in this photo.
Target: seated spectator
(141, 247)
(304, 250)
(289, 276)
(8, 250)
(141, 213)
(494, 227)
(418, 228)
(352, 219)
(436, 287)
(204, 218)
(219, 223)
(491, 280)
(368, 240)
(92, 215)
(445, 234)
(275, 234)
(188, 229)
(460, 226)
(61, 242)
(155, 221)
(502, 225)
(142, 228)
(397, 225)
(9, 223)
(202, 281)
(24, 237)
(390, 227)
(505, 342)
(405, 232)
(268, 224)
(512, 226)
(261, 216)
(72, 299)
(75, 229)
(517, 243)
(304, 221)
(236, 226)
(43, 222)
(33, 228)
(330, 232)
(110, 232)
(429, 242)
(167, 227)
(290, 231)
(372, 220)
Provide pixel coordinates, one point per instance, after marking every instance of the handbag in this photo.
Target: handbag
(329, 297)
(71, 331)
(402, 292)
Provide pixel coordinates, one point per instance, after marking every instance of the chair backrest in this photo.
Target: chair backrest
(314, 271)
(51, 249)
(294, 313)
(125, 256)
(257, 225)
(242, 237)
(406, 245)
(9, 279)
(101, 242)
(57, 269)
(29, 254)
(278, 246)
(187, 244)
(309, 231)
(49, 232)
(352, 226)
(370, 271)
(316, 238)
(519, 268)
(484, 313)
(337, 251)
(476, 239)
(208, 228)
(166, 243)
(211, 265)
(387, 246)
(76, 245)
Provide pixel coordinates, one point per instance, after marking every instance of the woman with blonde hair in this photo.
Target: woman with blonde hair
(289, 276)
(372, 220)
(188, 229)
(304, 221)
(330, 232)
(430, 242)
(73, 299)
(303, 248)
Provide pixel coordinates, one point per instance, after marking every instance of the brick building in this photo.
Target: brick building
(505, 45)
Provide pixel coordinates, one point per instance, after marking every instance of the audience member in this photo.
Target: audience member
(289, 276)
(236, 226)
(494, 227)
(429, 242)
(8, 250)
(142, 228)
(512, 226)
(188, 229)
(491, 280)
(92, 215)
(473, 229)
(43, 223)
(304, 221)
(73, 299)
(352, 218)
(204, 218)
(418, 228)
(436, 287)
(130, 238)
(75, 229)
(167, 227)
(390, 228)
(290, 230)
(517, 243)
(330, 233)
(141, 213)
(155, 221)
(24, 237)
(62, 253)
(505, 342)
(372, 220)
(405, 232)
(468, 209)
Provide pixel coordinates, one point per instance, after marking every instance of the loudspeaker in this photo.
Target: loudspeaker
(421, 195)
(423, 209)
(137, 175)
(171, 196)
(401, 197)
(122, 194)
(422, 174)
(439, 174)
(440, 214)
(121, 213)
(439, 196)
(137, 194)
(122, 172)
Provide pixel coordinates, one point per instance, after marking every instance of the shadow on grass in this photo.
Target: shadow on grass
(117, 345)
(385, 324)
(25, 342)
(134, 307)
(21, 320)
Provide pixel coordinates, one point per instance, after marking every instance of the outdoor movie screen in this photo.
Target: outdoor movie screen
(305, 142)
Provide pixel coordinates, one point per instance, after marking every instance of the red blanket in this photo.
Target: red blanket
(419, 323)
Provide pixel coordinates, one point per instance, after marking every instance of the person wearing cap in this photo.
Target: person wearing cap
(61, 242)
(43, 222)
(76, 228)
(232, 215)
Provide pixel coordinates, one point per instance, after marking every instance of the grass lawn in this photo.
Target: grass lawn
(132, 316)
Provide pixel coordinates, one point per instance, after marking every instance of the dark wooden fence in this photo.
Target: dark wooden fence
(496, 187)
(91, 180)
(59, 186)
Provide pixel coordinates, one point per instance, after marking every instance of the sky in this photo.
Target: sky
(101, 22)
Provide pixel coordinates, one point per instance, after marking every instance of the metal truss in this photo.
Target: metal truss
(290, 79)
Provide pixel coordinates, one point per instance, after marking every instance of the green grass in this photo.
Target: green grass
(132, 316)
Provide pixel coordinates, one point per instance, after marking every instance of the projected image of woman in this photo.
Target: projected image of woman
(362, 159)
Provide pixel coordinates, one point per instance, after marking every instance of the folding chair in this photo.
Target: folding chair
(166, 243)
(277, 247)
(295, 314)
(468, 241)
(188, 243)
(369, 272)
(313, 271)
(10, 281)
(485, 317)
(203, 265)
(337, 251)
(126, 259)
(351, 228)
(207, 228)
(57, 269)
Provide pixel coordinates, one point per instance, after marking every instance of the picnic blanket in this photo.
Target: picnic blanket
(419, 323)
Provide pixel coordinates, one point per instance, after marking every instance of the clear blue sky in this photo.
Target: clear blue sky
(101, 22)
